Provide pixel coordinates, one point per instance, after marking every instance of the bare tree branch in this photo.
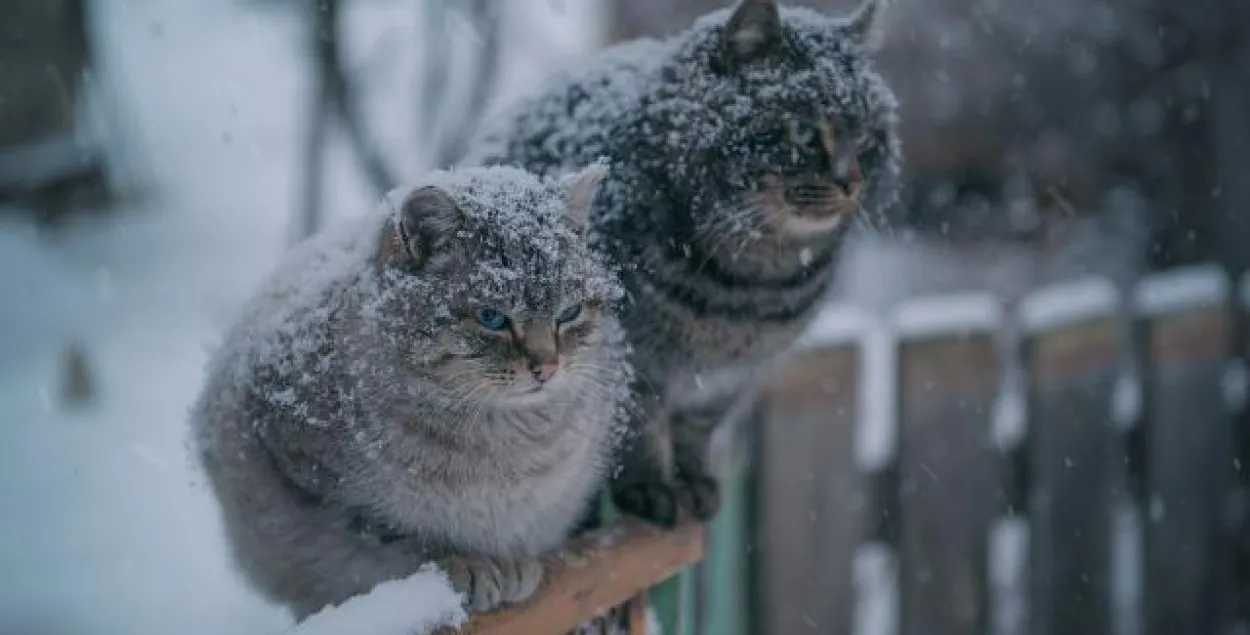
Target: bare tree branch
(335, 98)
(309, 218)
(485, 17)
(339, 93)
(435, 70)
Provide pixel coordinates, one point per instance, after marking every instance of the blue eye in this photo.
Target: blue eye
(491, 319)
(569, 313)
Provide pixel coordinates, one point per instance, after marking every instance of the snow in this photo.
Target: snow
(1009, 579)
(1127, 566)
(109, 528)
(876, 437)
(1126, 399)
(1010, 419)
(1183, 288)
(955, 313)
(1064, 303)
(875, 574)
(392, 609)
(835, 324)
(527, 209)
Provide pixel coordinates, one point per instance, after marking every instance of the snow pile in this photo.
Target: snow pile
(415, 605)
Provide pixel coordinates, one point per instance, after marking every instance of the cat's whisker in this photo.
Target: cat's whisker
(466, 393)
(757, 225)
(729, 227)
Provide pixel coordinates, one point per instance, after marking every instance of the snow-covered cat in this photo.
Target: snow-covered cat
(441, 382)
(742, 150)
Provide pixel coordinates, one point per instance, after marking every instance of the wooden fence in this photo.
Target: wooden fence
(1071, 465)
(1074, 464)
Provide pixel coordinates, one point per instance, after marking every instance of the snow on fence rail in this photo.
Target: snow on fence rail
(1119, 498)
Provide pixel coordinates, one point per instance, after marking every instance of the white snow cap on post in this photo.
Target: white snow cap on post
(416, 605)
(1064, 303)
(835, 324)
(949, 314)
(1198, 285)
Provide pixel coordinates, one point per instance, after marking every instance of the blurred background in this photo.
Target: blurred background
(158, 156)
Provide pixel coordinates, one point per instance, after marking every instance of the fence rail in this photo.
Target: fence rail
(1072, 464)
(603, 569)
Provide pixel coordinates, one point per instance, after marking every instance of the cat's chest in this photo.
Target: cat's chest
(522, 498)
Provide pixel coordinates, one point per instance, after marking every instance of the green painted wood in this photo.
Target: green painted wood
(725, 573)
(671, 600)
(673, 603)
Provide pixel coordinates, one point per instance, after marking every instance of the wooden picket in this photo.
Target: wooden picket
(1073, 465)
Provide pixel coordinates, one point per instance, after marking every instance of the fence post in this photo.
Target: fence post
(1073, 351)
(1188, 451)
(1240, 521)
(949, 370)
(810, 496)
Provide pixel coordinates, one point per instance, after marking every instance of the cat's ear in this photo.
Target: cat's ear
(865, 26)
(580, 193)
(752, 31)
(426, 220)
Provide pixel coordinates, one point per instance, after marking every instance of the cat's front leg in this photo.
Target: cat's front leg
(489, 583)
(664, 477)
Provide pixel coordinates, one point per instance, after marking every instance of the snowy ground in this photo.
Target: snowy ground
(107, 527)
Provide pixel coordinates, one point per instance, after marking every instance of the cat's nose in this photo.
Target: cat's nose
(846, 172)
(543, 369)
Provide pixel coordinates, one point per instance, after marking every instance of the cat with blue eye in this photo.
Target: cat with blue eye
(442, 383)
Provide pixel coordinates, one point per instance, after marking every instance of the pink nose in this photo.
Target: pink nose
(544, 370)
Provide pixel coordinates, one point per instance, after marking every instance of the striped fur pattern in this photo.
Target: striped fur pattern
(742, 150)
(366, 415)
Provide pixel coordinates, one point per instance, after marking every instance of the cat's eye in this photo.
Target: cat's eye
(569, 313)
(491, 319)
(801, 132)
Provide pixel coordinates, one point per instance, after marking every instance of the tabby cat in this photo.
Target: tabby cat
(440, 382)
(743, 150)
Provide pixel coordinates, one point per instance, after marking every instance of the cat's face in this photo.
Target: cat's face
(803, 172)
(794, 133)
(519, 304)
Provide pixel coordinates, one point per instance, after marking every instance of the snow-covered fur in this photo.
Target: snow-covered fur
(743, 150)
(441, 381)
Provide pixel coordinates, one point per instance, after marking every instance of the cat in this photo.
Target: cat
(743, 151)
(442, 381)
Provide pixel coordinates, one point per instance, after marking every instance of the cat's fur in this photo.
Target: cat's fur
(743, 150)
(358, 422)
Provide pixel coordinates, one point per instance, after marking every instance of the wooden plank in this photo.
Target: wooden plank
(949, 369)
(1188, 457)
(602, 569)
(1240, 525)
(810, 494)
(1077, 476)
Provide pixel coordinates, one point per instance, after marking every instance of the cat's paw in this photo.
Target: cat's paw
(489, 583)
(665, 503)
